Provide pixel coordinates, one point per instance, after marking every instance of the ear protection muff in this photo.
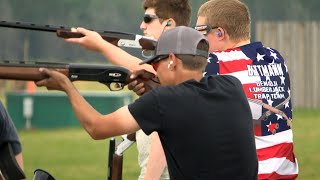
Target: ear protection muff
(169, 23)
(170, 63)
(219, 33)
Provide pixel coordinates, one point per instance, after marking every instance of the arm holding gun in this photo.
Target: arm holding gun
(97, 125)
(115, 77)
(94, 42)
(143, 81)
(105, 42)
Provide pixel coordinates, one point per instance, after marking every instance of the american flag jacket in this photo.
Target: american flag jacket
(265, 79)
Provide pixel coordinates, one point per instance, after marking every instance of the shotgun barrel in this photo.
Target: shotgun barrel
(120, 39)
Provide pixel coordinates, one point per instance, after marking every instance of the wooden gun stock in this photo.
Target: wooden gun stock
(120, 39)
(117, 166)
(112, 148)
(115, 77)
(132, 136)
(26, 73)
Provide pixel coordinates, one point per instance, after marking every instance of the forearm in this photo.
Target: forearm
(19, 160)
(93, 41)
(84, 112)
(157, 161)
(120, 57)
(97, 125)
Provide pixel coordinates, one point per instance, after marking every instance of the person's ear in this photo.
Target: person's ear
(170, 63)
(220, 32)
(170, 23)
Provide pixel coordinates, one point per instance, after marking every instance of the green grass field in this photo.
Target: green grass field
(72, 154)
(306, 143)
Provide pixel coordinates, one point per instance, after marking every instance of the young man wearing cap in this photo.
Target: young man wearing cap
(196, 117)
(160, 15)
(265, 80)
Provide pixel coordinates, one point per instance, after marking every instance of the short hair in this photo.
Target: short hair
(179, 10)
(193, 62)
(231, 15)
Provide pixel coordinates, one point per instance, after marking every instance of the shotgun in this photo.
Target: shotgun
(115, 77)
(120, 39)
(112, 148)
(115, 164)
(271, 110)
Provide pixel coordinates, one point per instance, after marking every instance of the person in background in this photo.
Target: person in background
(8, 134)
(204, 123)
(264, 77)
(159, 16)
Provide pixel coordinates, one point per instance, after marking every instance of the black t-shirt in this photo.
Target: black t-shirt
(205, 128)
(8, 132)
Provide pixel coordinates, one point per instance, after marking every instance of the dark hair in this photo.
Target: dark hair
(179, 10)
(193, 62)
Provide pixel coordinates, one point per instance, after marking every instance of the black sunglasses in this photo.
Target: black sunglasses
(147, 18)
(160, 58)
(204, 29)
(155, 63)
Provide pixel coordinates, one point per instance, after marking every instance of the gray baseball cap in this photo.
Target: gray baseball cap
(179, 40)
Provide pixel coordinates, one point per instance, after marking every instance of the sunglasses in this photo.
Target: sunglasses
(155, 64)
(204, 29)
(147, 18)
